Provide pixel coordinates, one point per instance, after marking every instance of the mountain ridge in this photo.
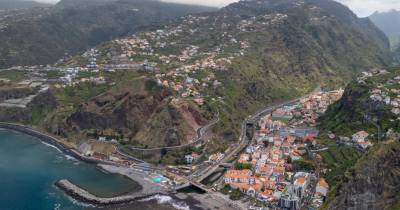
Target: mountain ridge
(389, 23)
(65, 30)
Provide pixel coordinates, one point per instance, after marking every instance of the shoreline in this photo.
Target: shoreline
(139, 177)
(104, 166)
(52, 141)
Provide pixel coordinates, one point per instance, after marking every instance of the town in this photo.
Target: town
(269, 170)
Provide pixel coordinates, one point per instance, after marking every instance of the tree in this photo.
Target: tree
(241, 166)
(236, 194)
(304, 165)
(225, 190)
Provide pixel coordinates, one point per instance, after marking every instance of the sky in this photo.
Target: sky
(361, 7)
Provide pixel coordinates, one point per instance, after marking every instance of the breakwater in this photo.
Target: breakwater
(86, 197)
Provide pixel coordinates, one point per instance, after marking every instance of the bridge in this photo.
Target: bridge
(189, 183)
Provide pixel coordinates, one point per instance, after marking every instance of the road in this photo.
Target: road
(243, 140)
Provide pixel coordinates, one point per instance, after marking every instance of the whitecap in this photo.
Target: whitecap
(165, 199)
(50, 145)
(57, 206)
(78, 203)
(69, 157)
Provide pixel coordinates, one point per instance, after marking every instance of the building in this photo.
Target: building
(300, 184)
(249, 189)
(360, 136)
(322, 187)
(289, 200)
(191, 158)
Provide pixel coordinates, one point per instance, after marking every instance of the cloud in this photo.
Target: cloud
(360, 7)
(367, 7)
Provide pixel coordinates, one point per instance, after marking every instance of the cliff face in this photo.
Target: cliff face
(374, 182)
(10, 93)
(143, 115)
(35, 111)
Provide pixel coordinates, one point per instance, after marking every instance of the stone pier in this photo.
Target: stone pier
(86, 197)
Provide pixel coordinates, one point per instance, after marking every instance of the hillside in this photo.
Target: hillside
(389, 23)
(230, 62)
(42, 36)
(371, 104)
(373, 182)
(247, 55)
(396, 55)
(372, 99)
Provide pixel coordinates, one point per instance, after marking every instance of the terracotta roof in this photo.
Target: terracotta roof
(322, 183)
(279, 170)
(266, 193)
(244, 171)
(246, 186)
(300, 181)
(238, 176)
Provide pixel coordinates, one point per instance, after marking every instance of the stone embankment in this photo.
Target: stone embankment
(86, 197)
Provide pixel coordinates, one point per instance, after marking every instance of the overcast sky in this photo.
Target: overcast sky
(360, 7)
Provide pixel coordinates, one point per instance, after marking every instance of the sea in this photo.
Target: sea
(29, 168)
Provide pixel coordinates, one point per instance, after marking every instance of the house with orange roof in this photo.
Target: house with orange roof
(266, 195)
(290, 138)
(240, 172)
(248, 189)
(360, 136)
(301, 183)
(244, 158)
(322, 187)
(238, 178)
(278, 171)
(265, 170)
(268, 183)
(276, 154)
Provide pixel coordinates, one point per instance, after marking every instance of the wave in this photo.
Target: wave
(50, 145)
(78, 203)
(69, 157)
(57, 206)
(165, 199)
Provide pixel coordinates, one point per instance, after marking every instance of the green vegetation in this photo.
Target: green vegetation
(226, 189)
(304, 165)
(337, 160)
(13, 76)
(44, 36)
(241, 166)
(347, 116)
(376, 174)
(236, 194)
(79, 93)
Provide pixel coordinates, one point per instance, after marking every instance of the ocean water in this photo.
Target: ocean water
(29, 169)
